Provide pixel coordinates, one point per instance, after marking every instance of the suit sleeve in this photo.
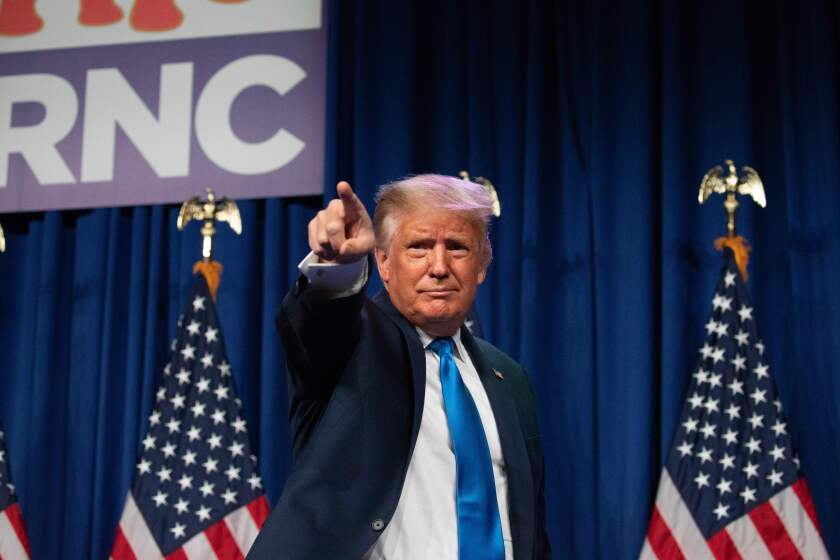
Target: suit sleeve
(319, 334)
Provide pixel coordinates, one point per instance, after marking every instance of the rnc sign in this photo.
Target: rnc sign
(123, 102)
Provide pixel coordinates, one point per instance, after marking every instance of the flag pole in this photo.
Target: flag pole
(731, 184)
(2, 240)
(209, 211)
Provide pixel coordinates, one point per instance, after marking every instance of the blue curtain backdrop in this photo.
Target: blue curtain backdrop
(596, 122)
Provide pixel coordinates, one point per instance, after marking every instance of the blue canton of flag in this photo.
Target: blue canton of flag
(732, 485)
(196, 491)
(14, 544)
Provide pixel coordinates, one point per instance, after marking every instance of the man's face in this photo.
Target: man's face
(432, 268)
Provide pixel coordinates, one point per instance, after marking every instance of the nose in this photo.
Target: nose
(438, 265)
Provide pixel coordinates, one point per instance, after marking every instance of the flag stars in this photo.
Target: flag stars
(754, 445)
(188, 352)
(701, 480)
(203, 513)
(714, 380)
(224, 369)
(178, 531)
(733, 411)
(183, 377)
(717, 355)
(751, 470)
(722, 330)
(748, 495)
(724, 486)
(727, 462)
(177, 401)
(144, 467)
(206, 488)
(164, 474)
(745, 313)
(722, 302)
(173, 426)
(168, 450)
(236, 449)
(198, 409)
(774, 478)
(739, 362)
(737, 387)
(756, 420)
(221, 392)
(705, 455)
(779, 427)
(238, 425)
(778, 453)
(730, 437)
(758, 396)
(778, 404)
(729, 279)
(706, 351)
(161, 394)
(193, 328)
(760, 347)
(181, 506)
(229, 496)
(160, 498)
(154, 419)
(701, 376)
(690, 425)
(255, 482)
(721, 511)
(185, 482)
(742, 338)
(684, 449)
(761, 371)
(711, 327)
(711, 405)
(696, 401)
(189, 458)
(211, 335)
(232, 473)
(194, 433)
(207, 360)
(203, 385)
(214, 441)
(211, 465)
(149, 442)
(198, 303)
(218, 416)
(708, 430)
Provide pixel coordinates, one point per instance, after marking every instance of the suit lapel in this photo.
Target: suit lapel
(417, 357)
(520, 480)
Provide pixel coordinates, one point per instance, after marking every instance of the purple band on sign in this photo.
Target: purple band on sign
(105, 104)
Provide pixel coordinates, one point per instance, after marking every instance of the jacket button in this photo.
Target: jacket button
(377, 525)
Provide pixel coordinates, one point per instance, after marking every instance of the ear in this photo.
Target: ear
(383, 265)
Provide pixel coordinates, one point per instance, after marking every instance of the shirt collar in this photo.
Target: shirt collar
(459, 349)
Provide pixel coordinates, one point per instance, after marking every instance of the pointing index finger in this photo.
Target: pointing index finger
(352, 204)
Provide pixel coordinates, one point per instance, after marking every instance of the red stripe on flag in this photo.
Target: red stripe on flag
(178, 554)
(773, 532)
(16, 519)
(259, 510)
(661, 540)
(800, 487)
(222, 542)
(122, 550)
(722, 546)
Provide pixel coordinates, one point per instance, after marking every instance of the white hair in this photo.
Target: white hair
(431, 192)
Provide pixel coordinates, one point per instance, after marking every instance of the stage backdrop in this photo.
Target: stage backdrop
(596, 122)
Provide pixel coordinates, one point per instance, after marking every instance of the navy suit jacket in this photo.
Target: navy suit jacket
(357, 380)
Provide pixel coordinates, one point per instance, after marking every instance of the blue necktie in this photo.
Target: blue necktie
(479, 526)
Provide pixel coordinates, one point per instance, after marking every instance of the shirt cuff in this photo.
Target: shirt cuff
(337, 280)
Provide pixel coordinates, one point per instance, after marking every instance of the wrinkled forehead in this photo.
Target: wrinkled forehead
(425, 222)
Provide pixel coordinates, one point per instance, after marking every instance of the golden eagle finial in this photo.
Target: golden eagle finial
(748, 184)
(210, 211)
(488, 186)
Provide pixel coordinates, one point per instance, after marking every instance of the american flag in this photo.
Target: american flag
(13, 542)
(732, 486)
(196, 491)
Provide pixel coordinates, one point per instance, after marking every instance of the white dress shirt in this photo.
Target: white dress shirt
(425, 523)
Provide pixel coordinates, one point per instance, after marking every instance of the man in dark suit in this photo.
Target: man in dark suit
(412, 438)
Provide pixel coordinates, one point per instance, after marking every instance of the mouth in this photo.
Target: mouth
(440, 293)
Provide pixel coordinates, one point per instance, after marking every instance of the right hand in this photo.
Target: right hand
(342, 232)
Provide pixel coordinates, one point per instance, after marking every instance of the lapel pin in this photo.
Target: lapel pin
(498, 374)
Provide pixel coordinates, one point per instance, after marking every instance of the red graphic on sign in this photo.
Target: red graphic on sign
(18, 17)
